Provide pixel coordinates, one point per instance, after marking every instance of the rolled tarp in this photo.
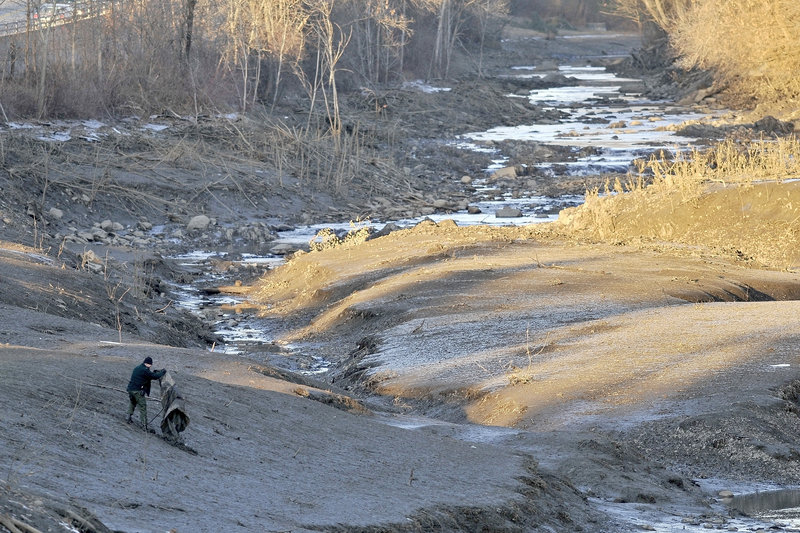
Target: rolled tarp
(174, 419)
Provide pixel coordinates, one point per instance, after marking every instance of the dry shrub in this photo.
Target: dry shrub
(728, 197)
(727, 162)
(752, 47)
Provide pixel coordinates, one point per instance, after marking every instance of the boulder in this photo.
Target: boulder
(508, 212)
(505, 172)
(283, 249)
(386, 230)
(198, 223)
(772, 125)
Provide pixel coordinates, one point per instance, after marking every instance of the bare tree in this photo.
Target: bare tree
(331, 42)
(257, 30)
(380, 29)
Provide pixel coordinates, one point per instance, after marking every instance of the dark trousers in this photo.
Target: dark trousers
(137, 399)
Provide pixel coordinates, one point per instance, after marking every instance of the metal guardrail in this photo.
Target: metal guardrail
(59, 17)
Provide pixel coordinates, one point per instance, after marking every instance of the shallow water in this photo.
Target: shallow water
(781, 505)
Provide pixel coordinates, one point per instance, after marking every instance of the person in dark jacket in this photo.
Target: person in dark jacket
(139, 389)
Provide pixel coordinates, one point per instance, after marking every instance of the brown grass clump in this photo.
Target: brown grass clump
(733, 198)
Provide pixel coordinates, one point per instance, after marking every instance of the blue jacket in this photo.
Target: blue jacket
(141, 377)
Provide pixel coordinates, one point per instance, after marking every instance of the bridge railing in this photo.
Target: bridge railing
(60, 16)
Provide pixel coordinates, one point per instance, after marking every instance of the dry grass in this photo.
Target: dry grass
(733, 198)
(728, 162)
(751, 47)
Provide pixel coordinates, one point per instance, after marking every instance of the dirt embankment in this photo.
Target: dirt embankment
(678, 349)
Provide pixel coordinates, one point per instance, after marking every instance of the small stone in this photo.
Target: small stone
(54, 212)
(725, 494)
(474, 210)
(440, 204)
(508, 212)
(282, 249)
(505, 172)
(466, 180)
(199, 222)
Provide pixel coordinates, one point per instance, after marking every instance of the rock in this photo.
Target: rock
(543, 152)
(505, 172)
(144, 225)
(198, 223)
(556, 79)
(508, 212)
(282, 249)
(56, 213)
(725, 494)
(547, 64)
(106, 225)
(90, 260)
(770, 124)
(473, 210)
(440, 204)
(466, 180)
(385, 230)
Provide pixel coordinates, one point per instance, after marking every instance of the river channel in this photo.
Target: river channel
(604, 114)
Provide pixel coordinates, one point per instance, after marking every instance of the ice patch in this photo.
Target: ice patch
(155, 127)
(420, 85)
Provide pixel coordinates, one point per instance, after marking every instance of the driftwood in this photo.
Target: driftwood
(174, 419)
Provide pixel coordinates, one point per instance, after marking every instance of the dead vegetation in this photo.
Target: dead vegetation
(731, 197)
(749, 46)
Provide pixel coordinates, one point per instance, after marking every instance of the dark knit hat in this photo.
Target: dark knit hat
(148, 360)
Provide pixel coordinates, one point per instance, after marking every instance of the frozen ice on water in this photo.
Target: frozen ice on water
(570, 95)
(93, 124)
(155, 127)
(424, 87)
(63, 136)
